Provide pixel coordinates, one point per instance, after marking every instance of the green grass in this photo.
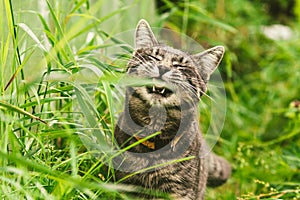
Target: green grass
(60, 92)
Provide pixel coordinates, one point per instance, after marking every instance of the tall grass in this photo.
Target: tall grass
(49, 53)
(59, 90)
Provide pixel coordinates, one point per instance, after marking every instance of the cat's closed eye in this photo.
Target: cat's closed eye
(154, 58)
(177, 64)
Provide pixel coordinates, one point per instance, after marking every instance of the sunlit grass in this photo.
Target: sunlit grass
(60, 91)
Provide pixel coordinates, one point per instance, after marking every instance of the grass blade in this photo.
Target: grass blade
(19, 110)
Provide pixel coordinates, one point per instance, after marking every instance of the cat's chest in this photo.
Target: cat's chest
(154, 118)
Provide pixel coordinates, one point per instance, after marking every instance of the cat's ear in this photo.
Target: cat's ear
(208, 61)
(144, 36)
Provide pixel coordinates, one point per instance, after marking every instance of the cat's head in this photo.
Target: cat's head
(176, 76)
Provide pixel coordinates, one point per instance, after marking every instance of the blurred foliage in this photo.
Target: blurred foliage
(46, 46)
(261, 133)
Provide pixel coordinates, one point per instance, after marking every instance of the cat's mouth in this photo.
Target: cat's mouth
(159, 90)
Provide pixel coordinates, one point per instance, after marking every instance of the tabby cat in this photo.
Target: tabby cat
(167, 107)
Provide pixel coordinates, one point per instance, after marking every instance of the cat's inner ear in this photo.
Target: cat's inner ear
(144, 36)
(207, 61)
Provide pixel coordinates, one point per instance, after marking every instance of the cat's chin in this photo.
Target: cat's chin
(158, 96)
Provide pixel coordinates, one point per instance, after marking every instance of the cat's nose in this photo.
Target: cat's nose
(162, 70)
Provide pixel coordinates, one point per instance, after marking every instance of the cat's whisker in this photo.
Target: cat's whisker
(145, 66)
(190, 89)
(215, 85)
(185, 86)
(194, 89)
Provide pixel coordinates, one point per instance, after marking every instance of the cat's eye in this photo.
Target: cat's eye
(154, 58)
(176, 64)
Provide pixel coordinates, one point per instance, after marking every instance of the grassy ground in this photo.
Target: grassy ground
(47, 116)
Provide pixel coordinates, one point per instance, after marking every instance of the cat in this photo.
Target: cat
(167, 107)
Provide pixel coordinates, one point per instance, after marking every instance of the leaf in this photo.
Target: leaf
(33, 36)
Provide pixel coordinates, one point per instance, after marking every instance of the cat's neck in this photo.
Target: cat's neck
(144, 120)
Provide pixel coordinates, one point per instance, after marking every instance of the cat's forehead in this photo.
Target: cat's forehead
(169, 50)
(164, 51)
